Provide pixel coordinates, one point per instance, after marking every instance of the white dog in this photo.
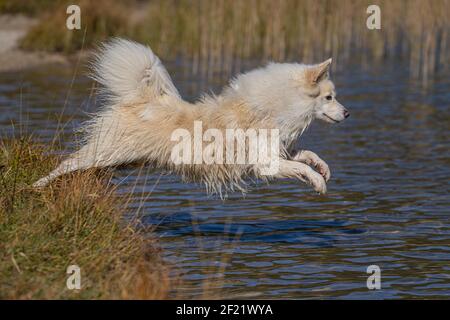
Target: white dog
(143, 108)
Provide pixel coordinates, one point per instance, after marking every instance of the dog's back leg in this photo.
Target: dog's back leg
(92, 156)
(67, 166)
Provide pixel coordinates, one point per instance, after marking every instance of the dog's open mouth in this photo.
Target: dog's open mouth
(335, 121)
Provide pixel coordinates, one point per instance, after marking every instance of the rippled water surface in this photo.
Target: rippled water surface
(388, 200)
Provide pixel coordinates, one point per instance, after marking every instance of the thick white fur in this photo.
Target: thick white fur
(128, 70)
(143, 108)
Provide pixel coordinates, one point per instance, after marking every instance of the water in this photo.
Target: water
(388, 200)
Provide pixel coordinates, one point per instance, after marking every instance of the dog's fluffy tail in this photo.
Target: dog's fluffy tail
(130, 72)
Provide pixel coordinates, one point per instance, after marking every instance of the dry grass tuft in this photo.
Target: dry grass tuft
(74, 221)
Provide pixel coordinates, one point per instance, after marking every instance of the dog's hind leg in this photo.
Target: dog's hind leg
(312, 159)
(98, 153)
(65, 167)
(69, 165)
(89, 156)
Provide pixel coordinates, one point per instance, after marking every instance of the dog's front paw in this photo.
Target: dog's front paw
(314, 179)
(322, 168)
(318, 183)
(314, 160)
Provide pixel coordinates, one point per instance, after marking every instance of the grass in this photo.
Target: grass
(218, 34)
(100, 19)
(27, 7)
(73, 221)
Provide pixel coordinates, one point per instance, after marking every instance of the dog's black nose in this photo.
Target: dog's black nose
(346, 114)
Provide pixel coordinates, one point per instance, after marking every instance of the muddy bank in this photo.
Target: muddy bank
(12, 58)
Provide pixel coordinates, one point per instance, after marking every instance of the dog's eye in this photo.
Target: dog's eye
(329, 98)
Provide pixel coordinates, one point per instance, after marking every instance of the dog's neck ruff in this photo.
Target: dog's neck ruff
(290, 133)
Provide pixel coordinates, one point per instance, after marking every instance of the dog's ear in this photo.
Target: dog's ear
(318, 72)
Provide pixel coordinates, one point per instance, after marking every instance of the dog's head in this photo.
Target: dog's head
(293, 94)
(326, 107)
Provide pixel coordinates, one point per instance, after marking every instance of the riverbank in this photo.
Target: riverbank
(77, 221)
(12, 58)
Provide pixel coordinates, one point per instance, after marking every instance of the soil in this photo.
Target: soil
(12, 58)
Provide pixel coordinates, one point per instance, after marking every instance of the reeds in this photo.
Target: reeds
(219, 35)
